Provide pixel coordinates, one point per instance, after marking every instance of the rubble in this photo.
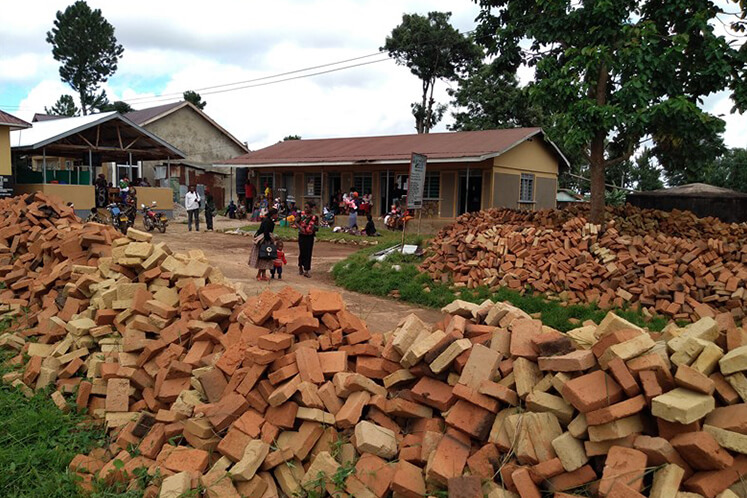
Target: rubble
(284, 394)
(671, 264)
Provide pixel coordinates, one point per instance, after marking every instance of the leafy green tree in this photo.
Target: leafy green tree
(292, 137)
(613, 72)
(728, 171)
(488, 98)
(84, 42)
(65, 106)
(195, 99)
(433, 50)
(119, 106)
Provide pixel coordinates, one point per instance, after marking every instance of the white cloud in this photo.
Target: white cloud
(175, 46)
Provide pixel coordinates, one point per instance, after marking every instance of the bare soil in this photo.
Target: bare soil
(230, 253)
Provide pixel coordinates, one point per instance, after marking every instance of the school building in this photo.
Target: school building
(466, 171)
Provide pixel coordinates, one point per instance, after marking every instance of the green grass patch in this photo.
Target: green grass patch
(359, 273)
(37, 443)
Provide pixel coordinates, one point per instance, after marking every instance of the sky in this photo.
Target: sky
(172, 46)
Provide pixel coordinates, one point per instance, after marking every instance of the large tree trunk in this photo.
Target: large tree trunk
(420, 123)
(82, 94)
(597, 152)
(597, 178)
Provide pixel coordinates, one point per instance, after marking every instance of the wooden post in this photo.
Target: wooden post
(420, 219)
(404, 229)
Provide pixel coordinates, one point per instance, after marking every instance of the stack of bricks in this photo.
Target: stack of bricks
(675, 273)
(283, 394)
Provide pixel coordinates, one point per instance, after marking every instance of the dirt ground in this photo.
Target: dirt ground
(231, 252)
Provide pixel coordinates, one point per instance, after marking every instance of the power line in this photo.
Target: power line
(207, 88)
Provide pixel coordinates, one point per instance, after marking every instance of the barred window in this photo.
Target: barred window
(363, 183)
(432, 189)
(313, 185)
(526, 193)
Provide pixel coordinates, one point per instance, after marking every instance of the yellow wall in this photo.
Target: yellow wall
(529, 157)
(5, 150)
(163, 197)
(82, 196)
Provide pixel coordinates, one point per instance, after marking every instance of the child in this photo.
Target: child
(232, 210)
(277, 264)
(370, 229)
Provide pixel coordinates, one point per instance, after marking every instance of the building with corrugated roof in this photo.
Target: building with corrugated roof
(466, 171)
(700, 198)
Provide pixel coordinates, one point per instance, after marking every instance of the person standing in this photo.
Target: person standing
(308, 224)
(263, 235)
(101, 191)
(249, 195)
(209, 210)
(192, 204)
(279, 261)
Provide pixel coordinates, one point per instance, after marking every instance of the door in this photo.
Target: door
(470, 192)
(393, 189)
(334, 185)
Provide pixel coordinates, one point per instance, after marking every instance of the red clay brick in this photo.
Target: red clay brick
(702, 451)
(592, 391)
(524, 484)
(625, 464)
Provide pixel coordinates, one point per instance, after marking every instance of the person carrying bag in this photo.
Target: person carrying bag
(264, 250)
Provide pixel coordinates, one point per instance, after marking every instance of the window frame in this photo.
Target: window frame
(366, 178)
(530, 177)
(427, 194)
(317, 185)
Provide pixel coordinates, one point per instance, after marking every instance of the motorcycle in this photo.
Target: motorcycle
(152, 219)
(118, 218)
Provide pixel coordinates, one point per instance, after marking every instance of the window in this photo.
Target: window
(432, 188)
(363, 183)
(526, 194)
(313, 185)
(265, 179)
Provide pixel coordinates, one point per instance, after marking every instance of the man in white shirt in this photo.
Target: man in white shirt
(192, 204)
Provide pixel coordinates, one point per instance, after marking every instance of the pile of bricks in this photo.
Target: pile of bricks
(282, 394)
(683, 276)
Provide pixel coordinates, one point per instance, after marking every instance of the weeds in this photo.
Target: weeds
(359, 273)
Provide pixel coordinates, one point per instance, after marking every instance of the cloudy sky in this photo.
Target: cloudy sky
(174, 46)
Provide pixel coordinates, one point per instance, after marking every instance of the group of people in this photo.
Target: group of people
(267, 251)
(193, 203)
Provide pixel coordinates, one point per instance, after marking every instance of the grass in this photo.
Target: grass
(37, 443)
(388, 238)
(359, 273)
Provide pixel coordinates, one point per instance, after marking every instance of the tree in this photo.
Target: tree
(433, 49)
(728, 171)
(65, 106)
(487, 98)
(84, 42)
(292, 137)
(613, 72)
(119, 106)
(195, 99)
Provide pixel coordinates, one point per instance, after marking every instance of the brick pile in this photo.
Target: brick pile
(671, 264)
(281, 394)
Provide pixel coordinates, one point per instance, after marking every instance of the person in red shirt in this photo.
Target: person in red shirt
(308, 224)
(277, 263)
(249, 195)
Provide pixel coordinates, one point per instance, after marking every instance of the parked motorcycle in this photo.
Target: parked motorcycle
(118, 217)
(153, 219)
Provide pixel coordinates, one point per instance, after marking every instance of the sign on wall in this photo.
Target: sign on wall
(6, 186)
(416, 181)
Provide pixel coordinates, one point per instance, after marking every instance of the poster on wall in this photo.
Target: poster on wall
(416, 181)
(6, 186)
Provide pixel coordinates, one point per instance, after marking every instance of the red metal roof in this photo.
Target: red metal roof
(466, 145)
(12, 121)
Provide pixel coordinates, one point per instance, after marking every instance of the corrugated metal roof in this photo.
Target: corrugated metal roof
(46, 130)
(692, 190)
(144, 115)
(465, 145)
(12, 121)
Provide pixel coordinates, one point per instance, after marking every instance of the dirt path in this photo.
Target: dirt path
(230, 253)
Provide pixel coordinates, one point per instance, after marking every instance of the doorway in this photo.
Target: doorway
(334, 184)
(394, 187)
(470, 191)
